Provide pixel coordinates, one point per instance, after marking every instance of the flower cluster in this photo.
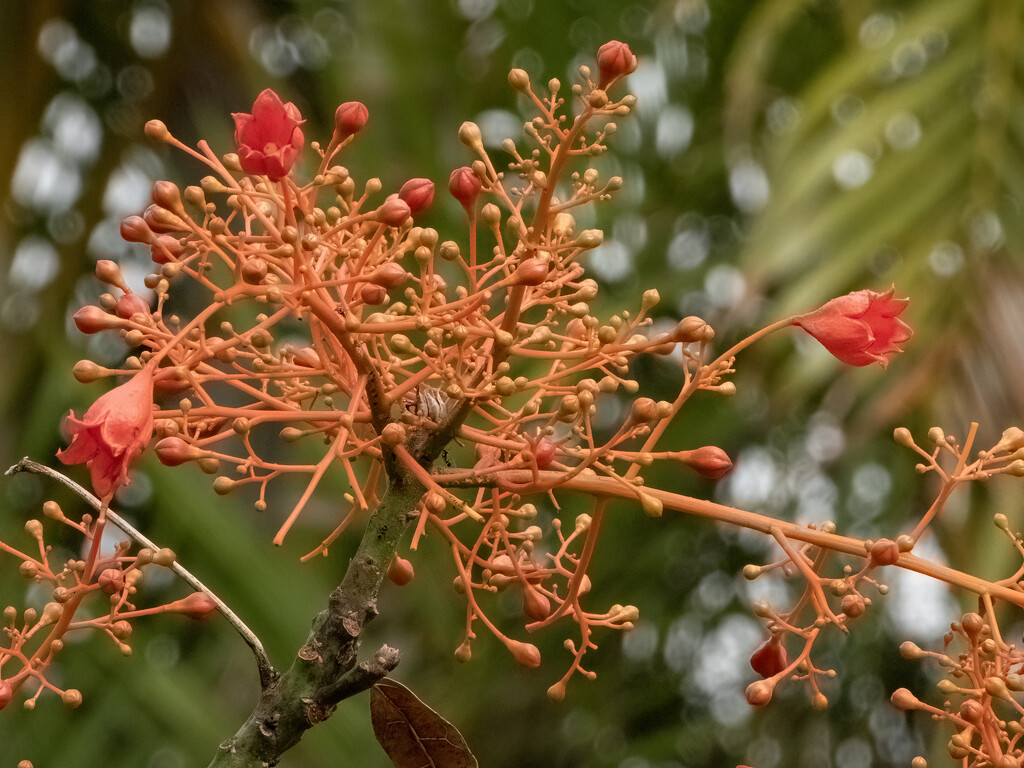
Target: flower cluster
(96, 593)
(987, 675)
(337, 334)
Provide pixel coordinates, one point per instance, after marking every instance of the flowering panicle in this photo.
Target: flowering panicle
(462, 376)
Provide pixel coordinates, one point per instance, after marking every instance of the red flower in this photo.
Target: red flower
(859, 328)
(270, 138)
(114, 431)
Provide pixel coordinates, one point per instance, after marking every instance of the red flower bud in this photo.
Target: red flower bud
(198, 605)
(167, 195)
(390, 275)
(400, 571)
(131, 304)
(134, 229)
(614, 60)
(349, 119)
(884, 552)
(269, 140)
(860, 328)
(465, 186)
(6, 693)
(769, 659)
(173, 451)
(709, 461)
(394, 212)
(544, 452)
(532, 271)
(372, 294)
(418, 194)
(165, 249)
(92, 319)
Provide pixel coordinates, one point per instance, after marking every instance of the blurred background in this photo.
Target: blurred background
(783, 152)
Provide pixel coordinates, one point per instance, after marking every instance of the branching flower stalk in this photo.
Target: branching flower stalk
(455, 386)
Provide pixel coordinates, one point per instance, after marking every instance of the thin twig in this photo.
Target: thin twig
(267, 672)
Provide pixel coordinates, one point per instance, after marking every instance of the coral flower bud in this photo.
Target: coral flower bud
(113, 432)
(536, 606)
(400, 571)
(465, 186)
(418, 194)
(394, 212)
(709, 461)
(108, 272)
(770, 658)
(269, 140)
(157, 130)
(349, 119)
(860, 328)
(884, 552)
(6, 693)
(372, 294)
(87, 371)
(134, 229)
(525, 653)
(390, 275)
(544, 452)
(614, 60)
(531, 271)
(165, 249)
(92, 319)
(519, 79)
(131, 304)
(198, 605)
(167, 195)
(759, 692)
(173, 451)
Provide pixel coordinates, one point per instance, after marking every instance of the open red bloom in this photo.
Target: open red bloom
(269, 140)
(860, 328)
(114, 431)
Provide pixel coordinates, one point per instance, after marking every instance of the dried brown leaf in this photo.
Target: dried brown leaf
(412, 734)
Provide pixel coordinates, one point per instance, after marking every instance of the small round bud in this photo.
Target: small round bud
(393, 434)
(400, 571)
(71, 698)
(524, 653)
(173, 451)
(519, 80)
(469, 134)
(349, 119)
(884, 552)
(131, 304)
(590, 238)
(394, 212)
(156, 130)
(903, 437)
(759, 693)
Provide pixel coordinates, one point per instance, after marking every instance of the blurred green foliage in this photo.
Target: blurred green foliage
(784, 152)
